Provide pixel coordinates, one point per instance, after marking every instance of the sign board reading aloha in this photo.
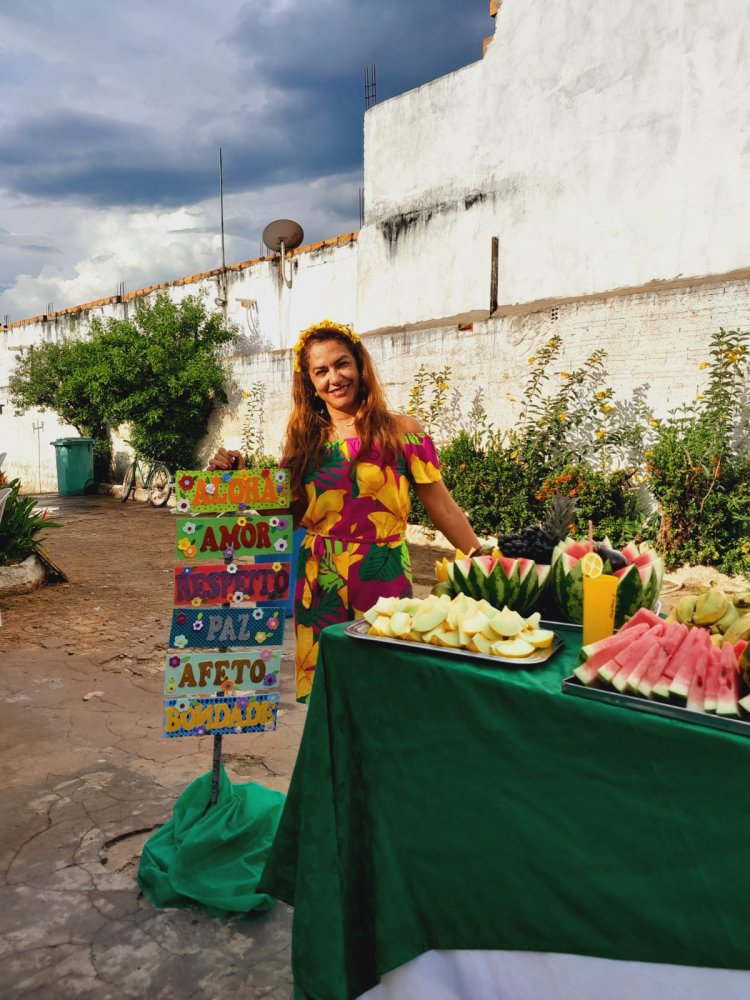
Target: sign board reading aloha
(244, 489)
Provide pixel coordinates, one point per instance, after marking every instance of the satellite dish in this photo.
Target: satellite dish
(283, 234)
(280, 236)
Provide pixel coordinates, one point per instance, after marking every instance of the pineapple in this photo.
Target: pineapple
(537, 541)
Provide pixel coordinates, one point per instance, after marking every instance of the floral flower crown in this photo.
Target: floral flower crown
(326, 324)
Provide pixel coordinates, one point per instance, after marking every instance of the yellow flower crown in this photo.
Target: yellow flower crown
(325, 324)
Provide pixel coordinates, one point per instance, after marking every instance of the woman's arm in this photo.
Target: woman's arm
(446, 515)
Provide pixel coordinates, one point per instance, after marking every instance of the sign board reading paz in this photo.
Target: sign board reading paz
(196, 628)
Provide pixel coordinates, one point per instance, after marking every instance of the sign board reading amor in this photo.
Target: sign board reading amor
(228, 537)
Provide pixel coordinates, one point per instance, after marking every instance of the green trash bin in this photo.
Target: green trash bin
(75, 465)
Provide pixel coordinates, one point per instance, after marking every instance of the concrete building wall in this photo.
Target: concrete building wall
(265, 310)
(605, 145)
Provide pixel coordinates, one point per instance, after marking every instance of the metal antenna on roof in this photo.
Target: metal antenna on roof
(221, 299)
(371, 87)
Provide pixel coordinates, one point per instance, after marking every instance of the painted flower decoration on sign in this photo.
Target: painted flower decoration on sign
(181, 619)
(183, 506)
(276, 567)
(174, 661)
(269, 680)
(273, 623)
(258, 614)
(196, 602)
(274, 522)
(243, 702)
(180, 641)
(210, 489)
(226, 476)
(191, 551)
(260, 636)
(197, 626)
(232, 568)
(182, 704)
(229, 553)
(281, 545)
(183, 544)
(186, 482)
(238, 597)
(242, 521)
(282, 522)
(189, 528)
(227, 685)
(266, 654)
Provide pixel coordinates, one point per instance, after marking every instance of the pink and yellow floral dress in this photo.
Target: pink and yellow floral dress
(354, 551)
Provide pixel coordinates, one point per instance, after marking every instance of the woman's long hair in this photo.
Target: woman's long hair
(309, 424)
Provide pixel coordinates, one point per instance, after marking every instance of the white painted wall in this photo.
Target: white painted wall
(606, 145)
(323, 285)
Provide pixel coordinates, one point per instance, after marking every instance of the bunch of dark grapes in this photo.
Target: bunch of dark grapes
(531, 542)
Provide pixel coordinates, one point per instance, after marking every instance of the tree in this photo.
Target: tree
(160, 372)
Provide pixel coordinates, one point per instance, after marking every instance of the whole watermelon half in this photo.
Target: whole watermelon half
(639, 586)
(513, 583)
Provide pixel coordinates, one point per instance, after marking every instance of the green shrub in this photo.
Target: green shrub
(21, 525)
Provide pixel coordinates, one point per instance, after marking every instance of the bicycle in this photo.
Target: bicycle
(158, 481)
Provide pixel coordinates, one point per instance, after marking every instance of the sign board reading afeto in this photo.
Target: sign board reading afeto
(221, 674)
(245, 489)
(227, 537)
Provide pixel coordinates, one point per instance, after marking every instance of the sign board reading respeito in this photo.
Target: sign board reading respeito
(222, 667)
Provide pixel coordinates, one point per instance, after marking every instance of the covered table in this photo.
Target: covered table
(439, 803)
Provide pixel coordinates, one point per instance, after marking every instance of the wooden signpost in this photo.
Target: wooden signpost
(223, 664)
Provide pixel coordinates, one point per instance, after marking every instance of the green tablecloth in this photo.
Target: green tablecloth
(437, 803)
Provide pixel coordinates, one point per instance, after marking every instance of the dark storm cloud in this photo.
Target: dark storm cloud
(291, 111)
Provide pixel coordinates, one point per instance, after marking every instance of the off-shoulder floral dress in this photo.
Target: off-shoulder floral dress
(354, 551)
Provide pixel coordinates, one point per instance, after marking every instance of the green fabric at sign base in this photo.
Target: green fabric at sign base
(213, 856)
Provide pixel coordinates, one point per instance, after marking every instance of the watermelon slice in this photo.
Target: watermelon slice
(684, 651)
(712, 680)
(502, 582)
(596, 654)
(642, 615)
(680, 686)
(744, 703)
(654, 660)
(630, 657)
(674, 636)
(696, 696)
(727, 699)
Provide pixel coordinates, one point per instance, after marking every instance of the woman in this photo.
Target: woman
(351, 462)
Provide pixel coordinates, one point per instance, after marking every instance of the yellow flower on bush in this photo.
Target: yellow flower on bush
(532, 359)
(654, 422)
(562, 416)
(703, 364)
(607, 408)
(564, 374)
(600, 435)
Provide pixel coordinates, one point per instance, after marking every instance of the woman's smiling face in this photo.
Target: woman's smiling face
(333, 372)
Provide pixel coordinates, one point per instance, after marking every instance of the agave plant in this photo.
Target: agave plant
(21, 525)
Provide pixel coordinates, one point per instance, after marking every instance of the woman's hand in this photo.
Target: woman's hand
(224, 459)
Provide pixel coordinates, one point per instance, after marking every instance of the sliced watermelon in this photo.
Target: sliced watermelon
(712, 680)
(596, 654)
(674, 636)
(683, 653)
(727, 699)
(502, 582)
(680, 686)
(630, 657)
(654, 659)
(642, 615)
(696, 696)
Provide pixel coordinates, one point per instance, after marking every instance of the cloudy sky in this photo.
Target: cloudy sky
(112, 116)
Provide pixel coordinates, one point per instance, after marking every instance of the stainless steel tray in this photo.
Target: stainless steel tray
(359, 630)
(571, 685)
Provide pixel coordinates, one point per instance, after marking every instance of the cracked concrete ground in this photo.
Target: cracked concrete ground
(88, 776)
